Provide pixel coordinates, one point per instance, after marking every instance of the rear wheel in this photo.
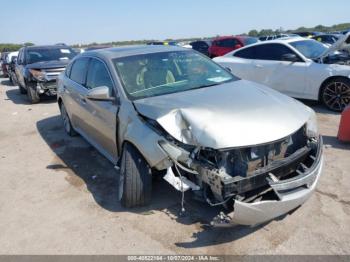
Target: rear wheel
(66, 121)
(135, 183)
(335, 94)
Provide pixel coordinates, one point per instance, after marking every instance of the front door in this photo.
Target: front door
(102, 120)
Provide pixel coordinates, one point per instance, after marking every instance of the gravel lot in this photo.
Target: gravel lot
(58, 196)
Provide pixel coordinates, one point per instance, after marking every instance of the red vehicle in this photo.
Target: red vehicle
(225, 44)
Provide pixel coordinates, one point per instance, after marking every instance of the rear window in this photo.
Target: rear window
(226, 43)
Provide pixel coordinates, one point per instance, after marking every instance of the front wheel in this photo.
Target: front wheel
(33, 95)
(335, 94)
(135, 183)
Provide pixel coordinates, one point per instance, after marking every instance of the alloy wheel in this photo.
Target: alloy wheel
(336, 96)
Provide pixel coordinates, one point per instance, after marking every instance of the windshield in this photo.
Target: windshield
(49, 54)
(250, 40)
(168, 72)
(310, 48)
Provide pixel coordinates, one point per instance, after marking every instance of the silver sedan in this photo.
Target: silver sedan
(159, 110)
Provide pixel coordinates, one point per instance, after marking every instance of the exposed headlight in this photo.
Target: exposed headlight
(37, 74)
(311, 125)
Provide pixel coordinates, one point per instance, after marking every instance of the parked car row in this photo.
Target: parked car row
(6, 59)
(299, 67)
(209, 126)
(35, 68)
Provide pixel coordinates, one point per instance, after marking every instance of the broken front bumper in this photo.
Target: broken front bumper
(292, 193)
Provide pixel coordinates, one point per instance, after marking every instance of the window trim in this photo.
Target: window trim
(301, 59)
(70, 73)
(105, 66)
(115, 91)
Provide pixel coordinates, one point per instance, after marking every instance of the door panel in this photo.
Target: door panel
(102, 115)
(75, 93)
(102, 123)
(286, 77)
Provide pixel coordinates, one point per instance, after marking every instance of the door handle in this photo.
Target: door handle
(65, 89)
(82, 99)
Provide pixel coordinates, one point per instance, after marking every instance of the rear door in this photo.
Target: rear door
(75, 92)
(102, 115)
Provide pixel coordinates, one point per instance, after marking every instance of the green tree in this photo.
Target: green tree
(253, 33)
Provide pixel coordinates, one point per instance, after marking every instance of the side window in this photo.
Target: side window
(68, 69)
(20, 57)
(272, 52)
(247, 53)
(79, 69)
(98, 75)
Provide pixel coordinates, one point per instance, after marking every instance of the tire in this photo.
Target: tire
(135, 183)
(21, 89)
(335, 94)
(66, 122)
(33, 96)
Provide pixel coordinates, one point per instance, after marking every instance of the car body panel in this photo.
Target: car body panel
(260, 212)
(209, 115)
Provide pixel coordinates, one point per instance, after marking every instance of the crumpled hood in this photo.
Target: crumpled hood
(49, 64)
(342, 44)
(234, 114)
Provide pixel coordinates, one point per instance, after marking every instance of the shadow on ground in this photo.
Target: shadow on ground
(82, 164)
(318, 107)
(333, 141)
(17, 98)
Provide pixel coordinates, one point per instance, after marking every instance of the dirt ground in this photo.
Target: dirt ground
(58, 196)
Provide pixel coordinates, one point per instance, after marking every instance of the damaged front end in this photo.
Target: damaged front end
(256, 183)
(46, 80)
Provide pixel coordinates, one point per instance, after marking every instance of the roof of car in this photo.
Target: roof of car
(231, 37)
(285, 40)
(46, 47)
(116, 52)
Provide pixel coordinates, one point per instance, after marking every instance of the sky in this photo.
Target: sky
(87, 21)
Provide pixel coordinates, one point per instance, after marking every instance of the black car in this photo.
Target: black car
(38, 67)
(12, 70)
(201, 46)
(327, 38)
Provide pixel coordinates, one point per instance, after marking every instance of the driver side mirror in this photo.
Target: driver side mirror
(290, 57)
(101, 93)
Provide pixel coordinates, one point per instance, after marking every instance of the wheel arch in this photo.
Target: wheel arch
(59, 101)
